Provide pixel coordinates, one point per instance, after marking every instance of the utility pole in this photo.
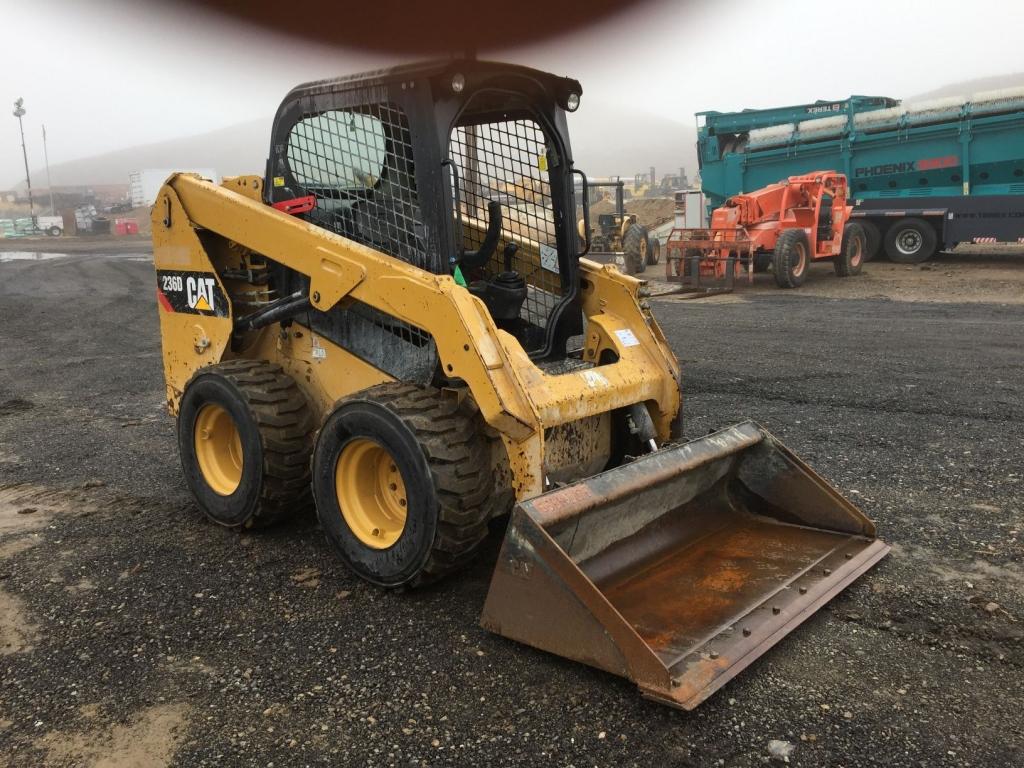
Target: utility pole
(19, 111)
(49, 184)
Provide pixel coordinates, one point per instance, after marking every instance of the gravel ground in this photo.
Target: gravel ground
(42, 247)
(987, 274)
(132, 632)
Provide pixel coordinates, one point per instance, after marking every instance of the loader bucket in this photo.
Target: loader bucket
(681, 568)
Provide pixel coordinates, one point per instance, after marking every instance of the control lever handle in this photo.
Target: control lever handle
(509, 253)
(479, 257)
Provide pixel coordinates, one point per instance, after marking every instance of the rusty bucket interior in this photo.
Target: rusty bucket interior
(679, 569)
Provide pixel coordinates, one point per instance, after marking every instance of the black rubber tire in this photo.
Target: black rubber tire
(851, 253)
(685, 266)
(634, 248)
(653, 249)
(911, 241)
(275, 426)
(791, 258)
(54, 231)
(873, 236)
(445, 463)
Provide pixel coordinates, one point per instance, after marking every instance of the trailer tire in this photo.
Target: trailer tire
(791, 258)
(634, 249)
(850, 258)
(54, 231)
(653, 249)
(911, 241)
(762, 260)
(872, 238)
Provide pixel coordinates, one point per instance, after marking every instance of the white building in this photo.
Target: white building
(144, 185)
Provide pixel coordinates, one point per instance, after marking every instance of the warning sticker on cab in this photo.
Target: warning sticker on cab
(548, 257)
(194, 293)
(627, 338)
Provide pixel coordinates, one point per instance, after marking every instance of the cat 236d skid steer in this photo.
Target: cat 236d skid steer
(396, 323)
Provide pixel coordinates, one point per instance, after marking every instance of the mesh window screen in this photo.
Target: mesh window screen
(507, 162)
(360, 167)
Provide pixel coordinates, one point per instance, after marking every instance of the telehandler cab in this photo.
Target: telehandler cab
(396, 324)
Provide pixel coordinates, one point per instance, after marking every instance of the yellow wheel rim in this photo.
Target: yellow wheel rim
(371, 493)
(218, 449)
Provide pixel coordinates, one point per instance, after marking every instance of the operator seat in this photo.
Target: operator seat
(388, 216)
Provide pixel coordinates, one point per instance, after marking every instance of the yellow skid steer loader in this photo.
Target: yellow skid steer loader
(396, 323)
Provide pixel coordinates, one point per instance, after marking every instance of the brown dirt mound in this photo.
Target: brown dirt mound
(650, 211)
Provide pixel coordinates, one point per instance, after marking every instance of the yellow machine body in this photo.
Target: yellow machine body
(514, 396)
(672, 564)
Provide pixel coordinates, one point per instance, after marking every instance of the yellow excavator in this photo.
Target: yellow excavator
(397, 324)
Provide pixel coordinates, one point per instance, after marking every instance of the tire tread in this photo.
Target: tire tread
(782, 261)
(285, 424)
(460, 464)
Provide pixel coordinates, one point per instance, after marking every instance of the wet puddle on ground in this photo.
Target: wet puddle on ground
(46, 256)
(150, 739)
(28, 507)
(30, 256)
(18, 633)
(23, 510)
(153, 734)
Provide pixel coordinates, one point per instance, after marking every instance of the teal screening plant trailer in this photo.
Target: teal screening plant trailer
(923, 175)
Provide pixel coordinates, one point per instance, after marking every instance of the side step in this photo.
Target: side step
(681, 568)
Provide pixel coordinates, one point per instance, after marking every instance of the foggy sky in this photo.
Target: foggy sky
(104, 75)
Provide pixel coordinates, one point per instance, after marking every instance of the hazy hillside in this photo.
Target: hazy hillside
(608, 140)
(967, 87)
(241, 148)
(605, 140)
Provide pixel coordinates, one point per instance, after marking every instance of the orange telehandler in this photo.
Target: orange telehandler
(784, 225)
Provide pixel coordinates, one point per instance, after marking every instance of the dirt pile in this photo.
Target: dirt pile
(650, 211)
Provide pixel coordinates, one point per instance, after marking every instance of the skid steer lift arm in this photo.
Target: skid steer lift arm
(514, 396)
